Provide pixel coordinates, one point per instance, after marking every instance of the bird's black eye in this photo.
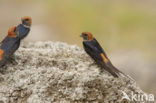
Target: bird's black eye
(85, 35)
(26, 19)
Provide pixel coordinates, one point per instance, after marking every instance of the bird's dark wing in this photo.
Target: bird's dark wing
(14, 47)
(109, 64)
(96, 52)
(97, 45)
(10, 47)
(5, 40)
(3, 48)
(22, 31)
(92, 51)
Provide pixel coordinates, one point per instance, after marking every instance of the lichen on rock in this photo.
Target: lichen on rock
(48, 72)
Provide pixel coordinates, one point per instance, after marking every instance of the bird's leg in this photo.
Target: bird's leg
(12, 59)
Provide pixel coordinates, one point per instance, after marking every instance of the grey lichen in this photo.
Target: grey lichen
(47, 72)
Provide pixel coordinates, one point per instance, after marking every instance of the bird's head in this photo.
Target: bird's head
(12, 32)
(87, 36)
(26, 21)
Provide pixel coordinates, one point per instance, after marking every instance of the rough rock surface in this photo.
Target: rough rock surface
(47, 72)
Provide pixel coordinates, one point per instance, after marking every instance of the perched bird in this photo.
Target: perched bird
(24, 28)
(9, 45)
(95, 51)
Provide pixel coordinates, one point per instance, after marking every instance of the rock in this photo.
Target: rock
(47, 72)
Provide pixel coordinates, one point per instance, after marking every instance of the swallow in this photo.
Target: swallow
(95, 51)
(24, 28)
(9, 45)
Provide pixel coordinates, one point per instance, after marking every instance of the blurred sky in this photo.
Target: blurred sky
(125, 28)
